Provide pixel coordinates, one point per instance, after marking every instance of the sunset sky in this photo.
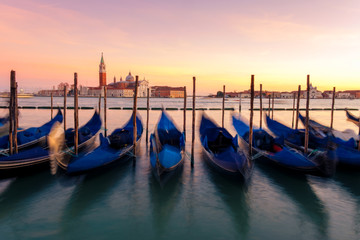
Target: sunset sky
(168, 42)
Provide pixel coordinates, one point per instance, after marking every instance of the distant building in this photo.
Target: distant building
(102, 72)
(286, 95)
(167, 92)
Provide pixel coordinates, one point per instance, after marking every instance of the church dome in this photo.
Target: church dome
(130, 78)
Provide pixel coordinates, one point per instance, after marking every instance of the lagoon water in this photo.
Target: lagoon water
(126, 201)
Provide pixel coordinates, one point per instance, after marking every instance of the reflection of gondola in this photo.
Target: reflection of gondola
(234, 195)
(164, 199)
(21, 190)
(350, 180)
(92, 189)
(301, 193)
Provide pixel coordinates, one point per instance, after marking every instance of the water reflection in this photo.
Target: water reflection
(94, 187)
(164, 198)
(298, 189)
(234, 195)
(21, 190)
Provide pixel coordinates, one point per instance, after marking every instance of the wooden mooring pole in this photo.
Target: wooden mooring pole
(105, 120)
(251, 114)
(51, 111)
(76, 116)
(16, 117)
(307, 114)
(193, 125)
(293, 111)
(297, 108)
(332, 108)
(272, 108)
(147, 114)
(261, 108)
(99, 104)
(269, 105)
(134, 115)
(223, 108)
(240, 103)
(184, 127)
(65, 93)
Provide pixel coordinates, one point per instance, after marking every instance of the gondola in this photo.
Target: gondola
(115, 147)
(61, 144)
(270, 150)
(167, 145)
(346, 151)
(32, 151)
(223, 151)
(351, 117)
(30, 137)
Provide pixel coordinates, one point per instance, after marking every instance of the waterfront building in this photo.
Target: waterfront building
(167, 92)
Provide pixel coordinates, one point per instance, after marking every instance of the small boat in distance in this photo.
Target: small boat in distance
(223, 151)
(167, 146)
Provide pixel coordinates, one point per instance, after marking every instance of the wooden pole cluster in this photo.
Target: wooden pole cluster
(51, 105)
(332, 109)
(223, 108)
(13, 114)
(297, 108)
(105, 121)
(307, 114)
(184, 129)
(134, 113)
(293, 111)
(272, 108)
(251, 114)
(76, 116)
(147, 114)
(269, 105)
(240, 103)
(65, 93)
(261, 109)
(193, 124)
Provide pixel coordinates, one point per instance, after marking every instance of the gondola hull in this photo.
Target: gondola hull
(166, 149)
(107, 153)
(223, 152)
(269, 150)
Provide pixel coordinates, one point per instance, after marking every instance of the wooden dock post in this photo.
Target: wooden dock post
(240, 103)
(147, 115)
(307, 115)
(16, 118)
(223, 108)
(269, 105)
(297, 108)
(105, 121)
(13, 118)
(65, 93)
(332, 109)
(193, 125)
(99, 104)
(184, 129)
(76, 116)
(251, 114)
(293, 111)
(51, 105)
(134, 115)
(272, 108)
(261, 109)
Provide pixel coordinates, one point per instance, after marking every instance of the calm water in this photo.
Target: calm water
(126, 201)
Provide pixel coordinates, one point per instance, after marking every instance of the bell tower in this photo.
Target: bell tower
(102, 72)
